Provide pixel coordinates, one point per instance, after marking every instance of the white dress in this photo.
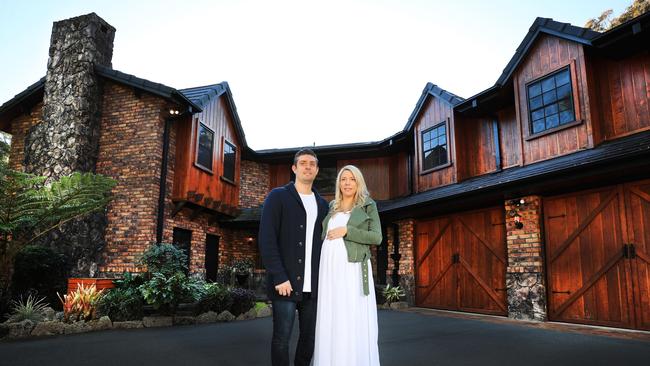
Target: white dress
(346, 319)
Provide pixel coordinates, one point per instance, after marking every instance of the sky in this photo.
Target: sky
(302, 73)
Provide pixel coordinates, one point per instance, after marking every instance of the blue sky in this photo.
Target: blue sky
(301, 72)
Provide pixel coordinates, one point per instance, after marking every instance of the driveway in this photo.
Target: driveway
(406, 338)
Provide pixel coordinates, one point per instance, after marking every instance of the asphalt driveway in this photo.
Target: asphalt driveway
(405, 338)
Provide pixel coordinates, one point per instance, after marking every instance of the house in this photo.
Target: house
(530, 199)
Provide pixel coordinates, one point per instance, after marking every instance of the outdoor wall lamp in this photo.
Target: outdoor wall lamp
(250, 240)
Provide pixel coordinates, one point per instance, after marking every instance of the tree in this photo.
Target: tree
(30, 208)
(604, 22)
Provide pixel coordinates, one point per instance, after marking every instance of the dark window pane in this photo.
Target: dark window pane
(564, 91)
(552, 121)
(566, 117)
(538, 114)
(535, 102)
(549, 97)
(534, 90)
(551, 109)
(564, 104)
(442, 155)
(205, 147)
(538, 126)
(562, 78)
(548, 84)
(229, 160)
(326, 179)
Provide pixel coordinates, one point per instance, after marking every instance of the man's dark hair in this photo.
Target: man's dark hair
(304, 152)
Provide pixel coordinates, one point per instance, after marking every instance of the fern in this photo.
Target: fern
(30, 207)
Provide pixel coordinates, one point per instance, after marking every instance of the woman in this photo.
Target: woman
(346, 316)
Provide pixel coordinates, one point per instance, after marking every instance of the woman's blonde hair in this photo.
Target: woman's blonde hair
(360, 195)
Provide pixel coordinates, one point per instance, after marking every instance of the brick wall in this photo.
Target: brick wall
(407, 259)
(525, 272)
(130, 150)
(254, 183)
(19, 127)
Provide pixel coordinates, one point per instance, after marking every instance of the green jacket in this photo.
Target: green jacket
(364, 229)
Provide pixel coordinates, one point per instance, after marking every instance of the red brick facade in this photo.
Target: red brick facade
(254, 183)
(130, 151)
(19, 128)
(525, 244)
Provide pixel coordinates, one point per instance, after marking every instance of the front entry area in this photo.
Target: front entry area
(598, 256)
(461, 262)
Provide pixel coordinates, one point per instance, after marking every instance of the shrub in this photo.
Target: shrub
(242, 300)
(164, 293)
(81, 304)
(215, 298)
(31, 309)
(166, 259)
(39, 269)
(124, 302)
(393, 294)
(121, 304)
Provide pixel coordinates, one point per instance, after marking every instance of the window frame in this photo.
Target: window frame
(223, 162)
(574, 100)
(209, 170)
(448, 144)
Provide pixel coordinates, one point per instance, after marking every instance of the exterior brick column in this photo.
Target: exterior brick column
(407, 259)
(525, 273)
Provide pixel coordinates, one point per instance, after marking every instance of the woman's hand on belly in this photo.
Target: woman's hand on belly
(337, 233)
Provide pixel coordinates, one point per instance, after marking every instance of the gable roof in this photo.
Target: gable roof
(158, 89)
(34, 93)
(546, 26)
(202, 95)
(431, 90)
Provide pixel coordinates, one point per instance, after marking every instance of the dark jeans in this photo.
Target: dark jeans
(284, 314)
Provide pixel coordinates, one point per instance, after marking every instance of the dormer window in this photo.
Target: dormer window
(434, 147)
(204, 147)
(550, 101)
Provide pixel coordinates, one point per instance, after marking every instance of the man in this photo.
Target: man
(290, 244)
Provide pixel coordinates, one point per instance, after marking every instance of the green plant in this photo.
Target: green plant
(164, 293)
(393, 294)
(242, 266)
(39, 269)
(31, 207)
(125, 301)
(215, 298)
(164, 258)
(242, 300)
(30, 309)
(81, 304)
(121, 304)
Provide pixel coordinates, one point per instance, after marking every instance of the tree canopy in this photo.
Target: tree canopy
(605, 21)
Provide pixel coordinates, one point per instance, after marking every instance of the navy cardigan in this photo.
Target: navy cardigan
(282, 241)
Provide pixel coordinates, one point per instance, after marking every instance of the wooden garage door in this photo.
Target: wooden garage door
(460, 262)
(597, 256)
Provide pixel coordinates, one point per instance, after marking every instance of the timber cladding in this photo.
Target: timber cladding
(550, 54)
(598, 256)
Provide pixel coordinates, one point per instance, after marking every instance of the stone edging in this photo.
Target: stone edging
(30, 329)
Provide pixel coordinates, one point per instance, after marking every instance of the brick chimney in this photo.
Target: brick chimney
(67, 139)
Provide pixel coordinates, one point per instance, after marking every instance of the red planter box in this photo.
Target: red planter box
(100, 283)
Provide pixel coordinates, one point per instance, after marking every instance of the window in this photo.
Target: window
(325, 182)
(434, 147)
(205, 147)
(550, 101)
(229, 159)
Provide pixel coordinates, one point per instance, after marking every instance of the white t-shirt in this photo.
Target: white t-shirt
(309, 202)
